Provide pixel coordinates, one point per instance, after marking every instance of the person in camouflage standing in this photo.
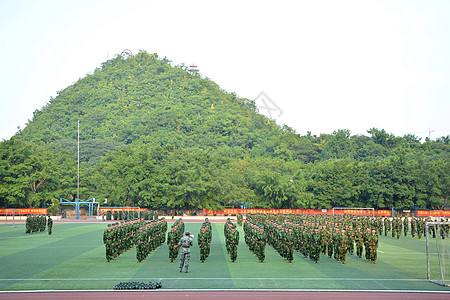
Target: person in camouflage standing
(140, 241)
(420, 228)
(373, 245)
(324, 233)
(351, 239)
(343, 242)
(359, 241)
(226, 232)
(49, 225)
(413, 227)
(289, 244)
(387, 225)
(208, 236)
(203, 243)
(107, 241)
(405, 225)
(399, 227)
(316, 244)
(394, 227)
(173, 237)
(240, 218)
(186, 244)
(233, 242)
(172, 241)
(261, 244)
(336, 239)
(366, 236)
(442, 229)
(330, 241)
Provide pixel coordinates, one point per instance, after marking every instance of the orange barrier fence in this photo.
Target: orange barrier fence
(23, 211)
(350, 211)
(433, 213)
(113, 209)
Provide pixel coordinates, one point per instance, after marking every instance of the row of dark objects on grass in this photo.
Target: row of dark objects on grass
(133, 285)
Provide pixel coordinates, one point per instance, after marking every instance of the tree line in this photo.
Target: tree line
(188, 178)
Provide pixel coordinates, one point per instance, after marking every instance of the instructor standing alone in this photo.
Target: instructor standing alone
(185, 243)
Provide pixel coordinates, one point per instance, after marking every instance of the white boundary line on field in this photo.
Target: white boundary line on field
(232, 290)
(217, 278)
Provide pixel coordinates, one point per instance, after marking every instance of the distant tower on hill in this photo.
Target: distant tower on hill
(193, 69)
(126, 53)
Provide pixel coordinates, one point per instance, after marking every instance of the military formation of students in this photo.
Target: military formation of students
(335, 236)
(312, 235)
(231, 239)
(256, 239)
(35, 223)
(125, 215)
(204, 240)
(281, 238)
(150, 236)
(145, 235)
(417, 226)
(173, 237)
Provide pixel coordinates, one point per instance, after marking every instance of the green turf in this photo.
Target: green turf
(74, 258)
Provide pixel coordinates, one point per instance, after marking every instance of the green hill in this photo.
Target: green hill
(143, 99)
(161, 136)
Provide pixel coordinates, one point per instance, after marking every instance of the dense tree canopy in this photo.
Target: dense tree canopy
(159, 136)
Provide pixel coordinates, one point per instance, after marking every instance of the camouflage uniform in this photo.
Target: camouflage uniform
(185, 243)
(50, 225)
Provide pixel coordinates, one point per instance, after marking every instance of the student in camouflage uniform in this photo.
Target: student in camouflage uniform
(240, 219)
(140, 242)
(413, 227)
(323, 233)
(394, 226)
(261, 241)
(107, 241)
(405, 225)
(330, 242)
(204, 240)
(234, 242)
(420, 228)
(373, 246)
(336, 241)
(366, 242)
(343, 242)
(226, 232)
(49, 225)
(387, 225)
(399, 228)
(316, 243)
(443, 229)
(359, 241)
(173, 237)
(351, 239)
(208, 226)
(171, 243)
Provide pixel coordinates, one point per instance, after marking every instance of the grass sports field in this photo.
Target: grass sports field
(73, 257)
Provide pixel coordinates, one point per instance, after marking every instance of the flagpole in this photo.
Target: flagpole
(78, 151)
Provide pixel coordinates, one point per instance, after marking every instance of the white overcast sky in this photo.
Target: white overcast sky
(326, 65)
